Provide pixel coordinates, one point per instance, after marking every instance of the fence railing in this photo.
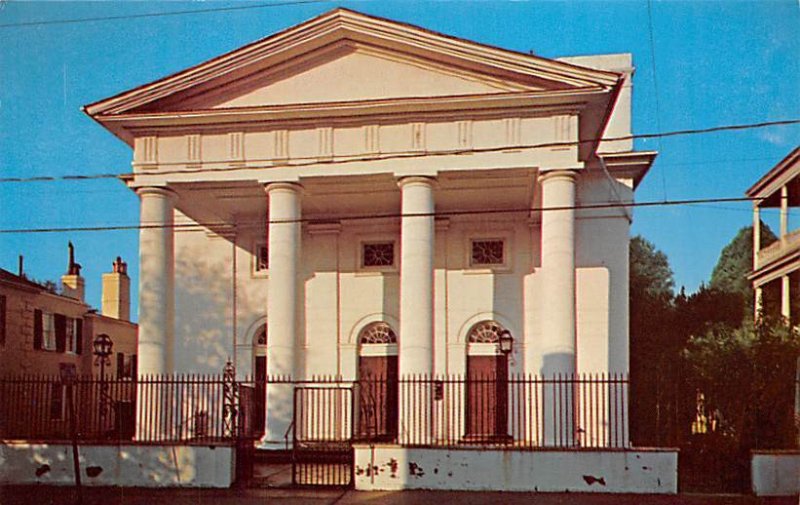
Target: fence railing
(173, 408)
(570, 411)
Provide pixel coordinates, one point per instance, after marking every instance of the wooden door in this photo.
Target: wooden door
(260, 396)
(487, 397)
(377, 397)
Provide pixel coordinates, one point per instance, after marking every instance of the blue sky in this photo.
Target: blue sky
(715, 63)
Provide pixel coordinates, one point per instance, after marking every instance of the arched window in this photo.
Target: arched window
(260, 336)
(486, 332)
(377, 333)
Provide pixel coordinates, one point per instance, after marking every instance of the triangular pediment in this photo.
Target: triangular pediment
(345, 56)
(352, 73)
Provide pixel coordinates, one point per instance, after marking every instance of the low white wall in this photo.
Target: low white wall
(124, 465)
(635, 471)
(775, 473)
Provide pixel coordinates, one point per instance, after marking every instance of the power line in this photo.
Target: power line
(115, 189)
(223, 227)
(407, 155)
(158, 14)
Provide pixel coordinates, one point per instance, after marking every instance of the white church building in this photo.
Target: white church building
(356, 197)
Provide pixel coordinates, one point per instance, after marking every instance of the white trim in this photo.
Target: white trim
(377, 239)
(483, 349)
(376, 317)
(380, 350)
(466, 326)
(505, 235)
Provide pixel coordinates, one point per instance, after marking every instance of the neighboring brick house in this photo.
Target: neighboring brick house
(41, 329)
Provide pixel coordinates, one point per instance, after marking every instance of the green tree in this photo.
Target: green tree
(736, 262)
(747, 377)
(655, 346)
(650, 273)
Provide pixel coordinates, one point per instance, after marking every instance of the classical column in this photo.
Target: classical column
(756, 234)
(784, 223)
(156, 281)
(416, 276)
(416, 305)
(282, 307)
(558, 302)
(786, 298)
(558, 270)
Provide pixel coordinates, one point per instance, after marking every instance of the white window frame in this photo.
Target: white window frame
(505, 266)
(363, 242)
(49, 331)
(70, 335)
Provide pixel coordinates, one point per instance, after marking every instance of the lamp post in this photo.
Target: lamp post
(101, 348)
(506, 342)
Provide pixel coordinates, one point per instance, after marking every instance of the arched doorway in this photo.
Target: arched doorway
(377, 382)
(260, 381)
(487, 384)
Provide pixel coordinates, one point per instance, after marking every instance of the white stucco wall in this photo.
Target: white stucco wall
(124, 465)
(338, 297)
(775, 473)
(394, 468)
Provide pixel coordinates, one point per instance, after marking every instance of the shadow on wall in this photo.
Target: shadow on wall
(112, 465)
(203, 314)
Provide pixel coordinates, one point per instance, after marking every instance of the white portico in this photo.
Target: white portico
(354, 195)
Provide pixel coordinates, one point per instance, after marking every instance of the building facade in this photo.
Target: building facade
(357, 197)
(776, 266)
(42, 330)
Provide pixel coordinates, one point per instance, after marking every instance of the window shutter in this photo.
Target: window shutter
(134, 367)
(78, 336)
(120, 365)
(37, 329)
(61, 332)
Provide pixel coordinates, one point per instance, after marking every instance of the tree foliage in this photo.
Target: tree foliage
(736, 262)
(650, 273)
(747, 377)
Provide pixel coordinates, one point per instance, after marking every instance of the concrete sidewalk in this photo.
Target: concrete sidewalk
(51, 495)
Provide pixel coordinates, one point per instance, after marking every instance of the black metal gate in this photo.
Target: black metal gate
(322, 436)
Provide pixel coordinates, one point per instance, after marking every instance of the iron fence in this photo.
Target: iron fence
(570, 411)
(170, 408)
(521, 411)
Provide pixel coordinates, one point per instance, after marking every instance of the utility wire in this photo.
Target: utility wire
(316, 161)
(158, 14)
(223, 227)
(117, 189)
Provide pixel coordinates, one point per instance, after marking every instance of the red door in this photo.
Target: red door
(259, 407)
(377, 405)
(487, 398)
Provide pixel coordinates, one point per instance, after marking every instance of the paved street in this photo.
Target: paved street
(47, 495)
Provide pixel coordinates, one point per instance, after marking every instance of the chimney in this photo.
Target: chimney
(117, 292)
(21, 266)
(72, 284)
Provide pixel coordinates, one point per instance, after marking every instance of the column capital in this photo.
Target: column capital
(559, 174)
(416, 180)
(163, 191)
(293, 187)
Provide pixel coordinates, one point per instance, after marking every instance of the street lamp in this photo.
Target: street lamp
(506, 342)
(101, 348)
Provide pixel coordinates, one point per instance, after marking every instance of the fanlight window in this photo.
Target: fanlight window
(487, 332)
(377, 333)
(260, 338)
